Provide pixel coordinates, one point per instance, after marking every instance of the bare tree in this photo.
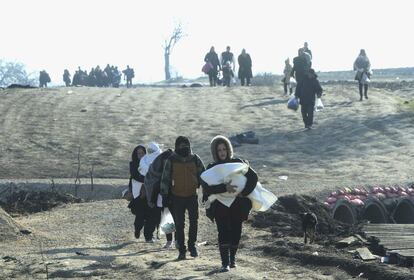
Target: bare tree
(169, 44)
(14, 73)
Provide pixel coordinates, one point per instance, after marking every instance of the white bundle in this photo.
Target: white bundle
(233, 173)
(144, 164)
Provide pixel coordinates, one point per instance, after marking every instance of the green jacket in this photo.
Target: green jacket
(166, 178)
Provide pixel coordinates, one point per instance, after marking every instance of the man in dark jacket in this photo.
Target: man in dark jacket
(128, 75)
(179, 183)
(300, 67)
(306, 91)
(212, 57)
(44, 78)
(245, 68)
(307, 50)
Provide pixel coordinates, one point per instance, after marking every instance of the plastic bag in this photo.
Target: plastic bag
(319, 104)
(167, 225)
(365, 79)
(293, 103)
(261, 198)
(292, 82)
(207, 67)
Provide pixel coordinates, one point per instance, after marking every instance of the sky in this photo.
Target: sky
(58, 34)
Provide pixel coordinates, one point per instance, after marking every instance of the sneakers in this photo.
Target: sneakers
(225, 269)
(193, 252)
(181, 256)
(168, 245)
(152, 240)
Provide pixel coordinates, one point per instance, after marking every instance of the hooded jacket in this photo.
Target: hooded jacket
(251, 175)
(309, 89)
(153, 176)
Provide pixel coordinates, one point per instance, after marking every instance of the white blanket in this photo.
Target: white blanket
(144, 164)
(233, 173)
(136, 188)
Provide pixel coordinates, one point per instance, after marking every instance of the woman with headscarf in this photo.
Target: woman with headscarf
(228, 219)
(363, 67)
(139, 206)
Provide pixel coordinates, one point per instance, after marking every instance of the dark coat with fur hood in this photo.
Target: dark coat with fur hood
(251, 176)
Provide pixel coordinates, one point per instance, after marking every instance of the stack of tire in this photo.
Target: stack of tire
(394, 204)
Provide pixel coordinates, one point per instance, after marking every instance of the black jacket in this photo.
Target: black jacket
(300, 67)
(244, 202)
(245, 66)
(212, 57)
(308, 90)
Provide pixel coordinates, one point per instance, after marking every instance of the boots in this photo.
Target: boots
(233, 251)
(224, 254)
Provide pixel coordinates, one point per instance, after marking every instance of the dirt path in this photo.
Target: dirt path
(96, 240)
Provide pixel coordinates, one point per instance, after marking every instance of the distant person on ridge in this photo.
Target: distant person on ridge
(44, 78)
(363, 67)
(128, 75)
(306, 91)
(66, 77)
(245, 68)
(286, 78)
(307, 50)
(212, 57)
(228, 56)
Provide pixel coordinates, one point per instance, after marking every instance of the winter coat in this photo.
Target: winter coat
(300, 67)
(241, 201)
(245, 66)
(153, 176)
(191, 180)
(308, 90)
(212, 57)
(362, 62)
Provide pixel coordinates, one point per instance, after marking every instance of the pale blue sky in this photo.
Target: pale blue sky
(58, 34)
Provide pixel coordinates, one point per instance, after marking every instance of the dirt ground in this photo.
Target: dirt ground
(353, 143)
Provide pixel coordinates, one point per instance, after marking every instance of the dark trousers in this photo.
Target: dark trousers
(170, 235)
(285, 88)
(180, 205)
(307, 113)
(145, 217)
(245, 79)
(229, 225)
(129, 82)
(212, 76)
(365, 87)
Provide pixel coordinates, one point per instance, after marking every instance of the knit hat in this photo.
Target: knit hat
(181, 139)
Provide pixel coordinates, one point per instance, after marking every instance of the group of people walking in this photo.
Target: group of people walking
(227, 65)
(307, 85)
(172, 182)
(108, 77)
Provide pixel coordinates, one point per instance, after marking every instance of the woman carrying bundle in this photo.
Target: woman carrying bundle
(228, 219)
